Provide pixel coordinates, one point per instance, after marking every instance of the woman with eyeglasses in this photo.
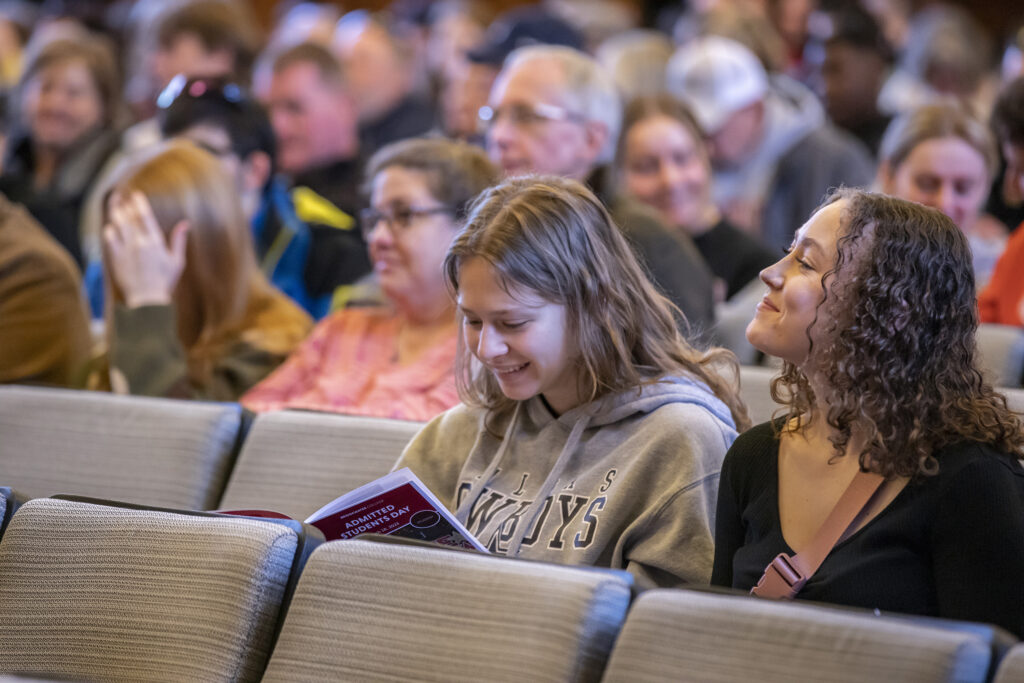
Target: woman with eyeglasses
(189, 313)
(393, 361)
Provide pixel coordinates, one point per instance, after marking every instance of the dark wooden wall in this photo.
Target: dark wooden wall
(1000, 17)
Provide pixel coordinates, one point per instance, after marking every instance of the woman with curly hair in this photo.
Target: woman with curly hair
(873, 313)
(592, 432)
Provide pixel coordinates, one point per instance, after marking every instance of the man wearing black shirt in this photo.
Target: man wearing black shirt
(315, 122)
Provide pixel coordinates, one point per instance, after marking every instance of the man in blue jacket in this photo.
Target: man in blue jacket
(306, 245)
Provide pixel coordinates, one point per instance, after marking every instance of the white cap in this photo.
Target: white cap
(716, 77)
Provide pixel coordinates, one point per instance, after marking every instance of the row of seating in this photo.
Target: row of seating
(203, 456)
(106, 592)
(187, 454)
(181, 455)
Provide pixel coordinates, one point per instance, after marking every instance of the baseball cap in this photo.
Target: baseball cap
(716, 77)
(531, 25)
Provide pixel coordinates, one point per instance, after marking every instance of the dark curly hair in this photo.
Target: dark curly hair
(898, 322)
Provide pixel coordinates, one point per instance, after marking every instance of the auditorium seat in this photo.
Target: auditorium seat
(1001, 353)
(682, 635)
(155, 451)
(9, 502)
(1014, 398)
(732, 318)
(755, 390)
(297, 462)
(103, 593)
(375, 611)
(1011, 670)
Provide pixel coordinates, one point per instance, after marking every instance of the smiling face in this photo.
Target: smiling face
(408, 258)
(667, 168)
(62, 104)
(523, 340)
(945, 173)
(787, 311)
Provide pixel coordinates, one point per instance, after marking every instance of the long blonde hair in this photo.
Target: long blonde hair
(221, 288)
(553, 236)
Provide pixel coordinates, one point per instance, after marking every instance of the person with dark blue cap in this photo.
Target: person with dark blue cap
(522, 26)
(518, 27)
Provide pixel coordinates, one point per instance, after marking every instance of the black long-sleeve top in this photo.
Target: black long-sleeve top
(949, 545)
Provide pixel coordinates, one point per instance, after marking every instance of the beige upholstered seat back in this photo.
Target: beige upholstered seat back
(755, 390)
(295, 463)
(369, 611)
(1011, 670)
(1014, 398)
(97, 593)
(158, 452)
(1001, 353)
(692, 636)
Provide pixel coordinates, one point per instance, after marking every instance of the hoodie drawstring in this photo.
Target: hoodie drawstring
(549, 483)
(462, 513)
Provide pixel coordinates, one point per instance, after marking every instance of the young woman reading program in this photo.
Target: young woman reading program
(873, 313)
(591, 432)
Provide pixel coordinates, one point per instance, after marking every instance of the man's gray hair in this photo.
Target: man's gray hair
(589, 89)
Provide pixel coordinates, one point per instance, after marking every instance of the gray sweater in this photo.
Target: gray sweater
(629, 481)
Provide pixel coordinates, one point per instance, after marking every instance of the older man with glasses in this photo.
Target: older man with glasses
(553, 110)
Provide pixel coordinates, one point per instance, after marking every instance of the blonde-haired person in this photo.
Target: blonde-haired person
(591, 432)
(873, 312)
(943, 156)
(192, 314)
(395, 360)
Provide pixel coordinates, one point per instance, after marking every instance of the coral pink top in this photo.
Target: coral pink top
(349, 365)
(1002, 299)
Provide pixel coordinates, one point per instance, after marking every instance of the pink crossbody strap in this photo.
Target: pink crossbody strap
(786, 575)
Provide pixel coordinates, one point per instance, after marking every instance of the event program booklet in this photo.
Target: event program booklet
(397, 504)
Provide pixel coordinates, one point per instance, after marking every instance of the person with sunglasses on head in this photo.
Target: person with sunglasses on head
(307, 259)
(553, 110)
(395, 361)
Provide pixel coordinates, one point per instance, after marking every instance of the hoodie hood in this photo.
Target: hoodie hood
(629, 481)
(603, 413)
(644, 399)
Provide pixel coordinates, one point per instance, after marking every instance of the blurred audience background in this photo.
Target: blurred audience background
(711, 128)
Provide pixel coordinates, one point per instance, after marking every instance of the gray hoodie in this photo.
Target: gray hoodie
(629, 481)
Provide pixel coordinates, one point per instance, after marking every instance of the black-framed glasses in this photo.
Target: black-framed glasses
(196, 88)
(398, 219)
(525, 115)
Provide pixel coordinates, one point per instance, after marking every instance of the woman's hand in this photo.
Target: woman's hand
(142, 264)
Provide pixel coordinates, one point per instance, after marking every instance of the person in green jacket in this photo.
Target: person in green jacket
(192, 315)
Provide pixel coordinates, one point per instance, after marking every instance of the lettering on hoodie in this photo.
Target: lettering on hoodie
(575, 518)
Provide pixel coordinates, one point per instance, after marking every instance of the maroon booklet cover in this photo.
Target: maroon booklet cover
(397, 504)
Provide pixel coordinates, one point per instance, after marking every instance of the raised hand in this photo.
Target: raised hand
(145, 267)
